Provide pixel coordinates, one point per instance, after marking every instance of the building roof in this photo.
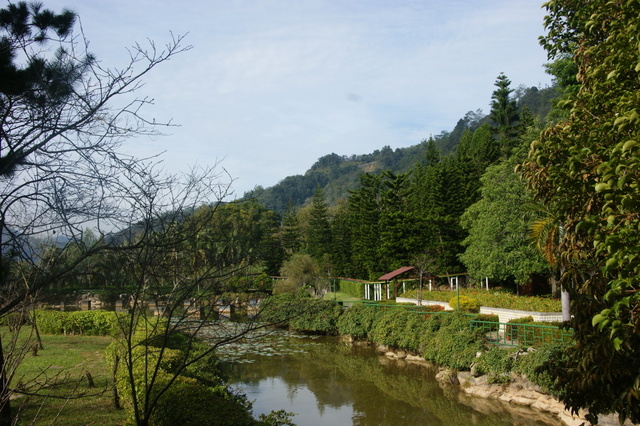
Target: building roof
(399, 271)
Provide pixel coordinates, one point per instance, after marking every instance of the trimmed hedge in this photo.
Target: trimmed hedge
(88, 323)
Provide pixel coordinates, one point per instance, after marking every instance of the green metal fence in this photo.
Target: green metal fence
(512, 334)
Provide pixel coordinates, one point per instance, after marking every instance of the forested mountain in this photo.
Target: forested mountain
(337, 175)
(451, 204)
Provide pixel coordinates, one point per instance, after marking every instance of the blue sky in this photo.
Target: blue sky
(272, 85)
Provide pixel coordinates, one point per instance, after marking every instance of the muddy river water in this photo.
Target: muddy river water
(326, 382)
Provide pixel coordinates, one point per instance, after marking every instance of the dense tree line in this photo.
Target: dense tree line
(393, 219)
(441, 213)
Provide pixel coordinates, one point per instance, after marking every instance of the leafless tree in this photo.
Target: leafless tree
(64, 117)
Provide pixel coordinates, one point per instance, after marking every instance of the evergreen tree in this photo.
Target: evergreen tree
(364, 221)
(291, 236)
(504, 112)
(319, 231)
(399, 237)
(341, 241)
(432, 153)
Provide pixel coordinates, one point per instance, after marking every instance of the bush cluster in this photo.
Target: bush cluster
(496, 363)
(467, 304)
(536, 365)
(301, 312)
(200, 385)
(88, 323)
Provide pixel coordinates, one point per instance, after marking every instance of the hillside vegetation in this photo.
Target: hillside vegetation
(338, 174)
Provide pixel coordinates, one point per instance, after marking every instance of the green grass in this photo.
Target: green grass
(340, 297)
(60, 370)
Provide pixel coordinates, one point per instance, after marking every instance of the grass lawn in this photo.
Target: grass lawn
(340, 297)
(63, 364)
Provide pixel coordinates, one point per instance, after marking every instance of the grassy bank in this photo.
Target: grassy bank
(64, 363)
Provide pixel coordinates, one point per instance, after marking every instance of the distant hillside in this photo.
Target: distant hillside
(338, 174)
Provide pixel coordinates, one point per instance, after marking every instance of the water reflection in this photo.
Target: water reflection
(326, 382)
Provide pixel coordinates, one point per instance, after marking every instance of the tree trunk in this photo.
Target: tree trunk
(34, 321)
(5, 402)
(566, 304)
(114, 373)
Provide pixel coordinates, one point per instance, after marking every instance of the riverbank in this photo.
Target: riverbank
(518, 392)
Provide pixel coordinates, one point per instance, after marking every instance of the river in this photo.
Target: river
(326, 382)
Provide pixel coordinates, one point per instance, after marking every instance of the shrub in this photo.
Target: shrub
(301, 312)
(536, 335)
(184, 401)
(415, 330)
(200, 385)
(318, 316)
(389, 326)
(453, 344)
(357, 321)
(91, 323)
(535, 365)
(279, 309)
(496, 363)
(488, 317)
(467, 304)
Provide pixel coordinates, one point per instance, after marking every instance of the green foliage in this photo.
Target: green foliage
(533, 333)
(301, 312)
(301, 271)
(467, 304)
(90, 323)
(184, 401)
(319, 316)
(276, 418)
(353, 288)
(585, 170)
(488, 317)
(318, 233)
(389, 326)
(499, 225)
(453, 344)
(279, 309)
(357, 321)
(497, 363)
(180, 396)
(504, 111)
(535, 365)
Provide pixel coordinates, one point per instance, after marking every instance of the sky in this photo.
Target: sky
(270, 86)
